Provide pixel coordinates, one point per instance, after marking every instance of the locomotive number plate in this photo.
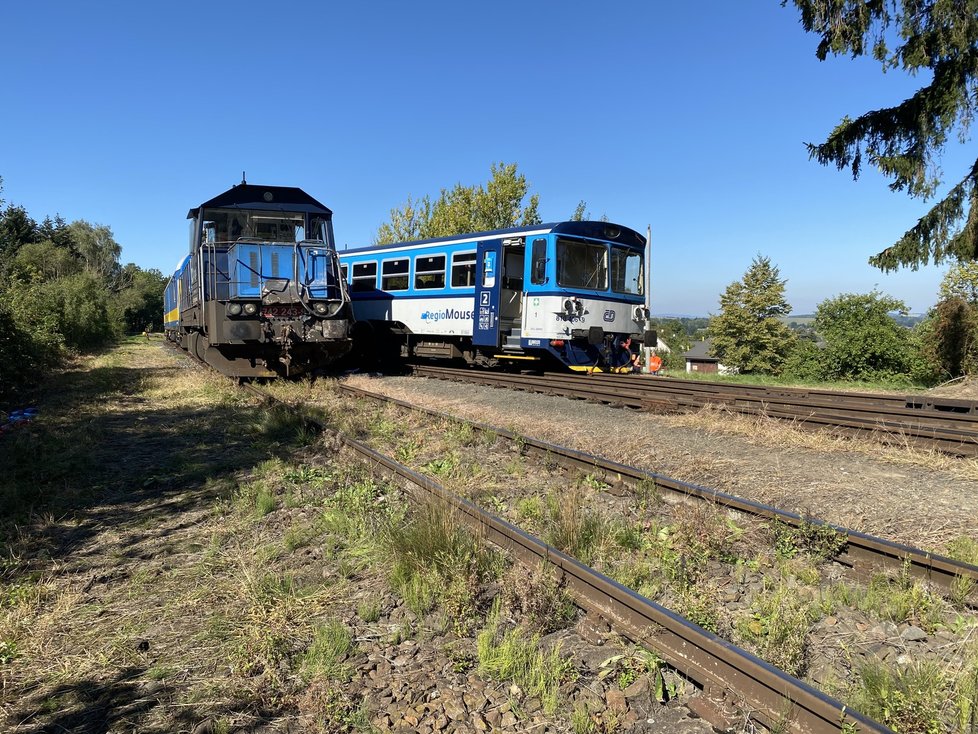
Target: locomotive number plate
(281, 312)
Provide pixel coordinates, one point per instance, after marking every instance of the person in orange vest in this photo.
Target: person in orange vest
(655, 364)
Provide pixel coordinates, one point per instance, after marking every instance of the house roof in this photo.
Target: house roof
(700, 351)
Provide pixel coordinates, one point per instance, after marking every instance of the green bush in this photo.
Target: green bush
(28, 348)
(862, 342)
(804, 363)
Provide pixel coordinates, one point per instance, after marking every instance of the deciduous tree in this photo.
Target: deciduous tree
(40, 261)
(138, 303)
(748, 332)
(949, 338)
(937, 39)
(862, 342)
(97, 248)
(960, 281)
(503, 202)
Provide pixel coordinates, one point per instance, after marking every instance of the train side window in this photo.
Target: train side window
(344, 272)
(538, 256)
(463, 270)
(429, 271)
(364, 277)
(394, 275)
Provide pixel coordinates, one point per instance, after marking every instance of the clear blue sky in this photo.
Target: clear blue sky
(691, 117)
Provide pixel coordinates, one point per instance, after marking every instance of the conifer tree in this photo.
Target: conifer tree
(949, 335)
(748, 333)
(937, 39)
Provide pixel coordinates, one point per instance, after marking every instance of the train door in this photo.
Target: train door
(485, 329)
(511, 290)
(534, 322)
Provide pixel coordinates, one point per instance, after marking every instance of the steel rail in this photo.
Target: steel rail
(770, 695)
(727, 674)
(937, 426)
(863, 553)
(721, 669)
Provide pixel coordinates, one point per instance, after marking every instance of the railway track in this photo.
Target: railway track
(944, 424)
(727, 675)
(730, 678)
(864, 554)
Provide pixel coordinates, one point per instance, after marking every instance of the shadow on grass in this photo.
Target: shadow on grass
(122, 704)
(89, 707)
(130, 466)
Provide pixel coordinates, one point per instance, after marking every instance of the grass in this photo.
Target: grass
(435, 559)
(684, 546)
(574, 529)
(369, 610)
(901, 598)
(275, 622)
(110, 546)
(907, 699)
(772, 380)
(537, 599)
(514, 655)
(778, 626)
(326, 656)
(964, 549)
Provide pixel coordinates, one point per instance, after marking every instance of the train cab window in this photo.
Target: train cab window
(318, 229)
(364, 277)
(582, 264)
(394, 275)
(463, 270)
(627, 273)
(538, 257)
(429, 271)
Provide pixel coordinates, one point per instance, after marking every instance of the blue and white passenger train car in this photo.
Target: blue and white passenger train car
(568, 292)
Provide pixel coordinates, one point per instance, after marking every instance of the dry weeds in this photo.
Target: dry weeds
(146, 600)
(918, 497)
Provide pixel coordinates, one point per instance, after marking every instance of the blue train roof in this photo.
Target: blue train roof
(269, 198)
(184, 261)
(596, 230)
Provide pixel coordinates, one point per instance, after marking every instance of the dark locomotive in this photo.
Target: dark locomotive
(260, 293)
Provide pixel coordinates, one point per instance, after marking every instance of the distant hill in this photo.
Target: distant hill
(805, 319)
(796, 319)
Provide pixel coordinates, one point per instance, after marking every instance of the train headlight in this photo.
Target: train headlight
(234, 309)
(321, 309)
(573, 307)
(251, 309)
(641, 314)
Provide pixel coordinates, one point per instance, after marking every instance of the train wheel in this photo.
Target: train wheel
(198, 346)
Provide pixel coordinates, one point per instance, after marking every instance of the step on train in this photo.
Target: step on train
(260, 293)
(567, 293)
